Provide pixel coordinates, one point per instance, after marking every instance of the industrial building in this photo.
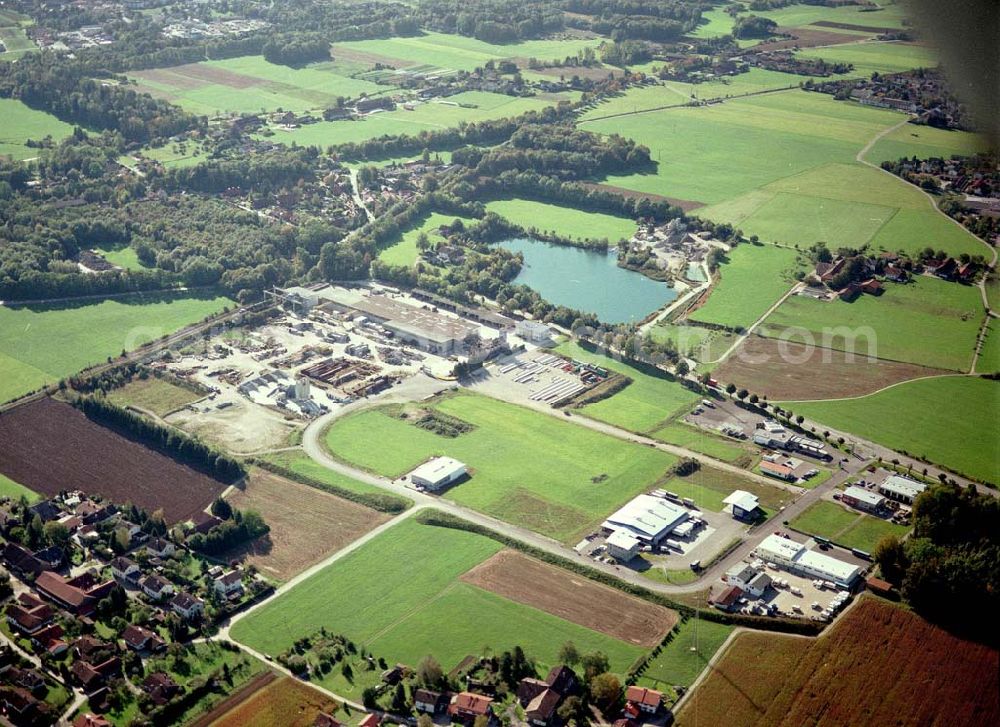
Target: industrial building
(781, 471)
(795, 557)
(862, 499)
(647, 518)
(901, 489)
(438, 472)
(748, 580)
(743, 505)
(622, 545)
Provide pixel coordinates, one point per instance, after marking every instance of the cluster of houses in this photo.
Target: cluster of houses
(63, 590)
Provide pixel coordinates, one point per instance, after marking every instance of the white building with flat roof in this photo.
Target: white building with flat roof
(795, 557)
(648, 518)
(438, 472)
(862, 499)
(622, 545)
(901, 489)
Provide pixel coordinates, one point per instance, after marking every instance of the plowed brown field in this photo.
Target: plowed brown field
(879, 665)
(516, 576)
(49, 446)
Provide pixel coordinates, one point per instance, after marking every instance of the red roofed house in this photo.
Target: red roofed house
(542, 708)
(727, 599)
(326, 720)
(782, 472)
(872, 287)
(466, 706)
(646, 700)
(78, 595)
(371, 720)
(139, 639)
(89, 719)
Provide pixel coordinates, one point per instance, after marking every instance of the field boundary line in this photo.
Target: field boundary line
(708, 102)
(879, 391)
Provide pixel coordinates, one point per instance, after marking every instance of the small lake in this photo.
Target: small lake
(588, 280)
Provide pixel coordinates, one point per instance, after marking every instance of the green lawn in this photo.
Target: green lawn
(699, 440)
(912, 230)
(458, 52)
(989, 354)
(301, 464)
(683, 659)
(399, 596)
(845, 527)
(700, 343)
(945, 419)
(642, 406)
(890, 16)
(403, 250)
(923, 142)
(564, 221)
(929, 322)
(124, 257)
(529, 469)
(751, 281)
(469, 107)
(41, 344)
(153, 394)
(21, 123)
(15, 490)
(708, 487)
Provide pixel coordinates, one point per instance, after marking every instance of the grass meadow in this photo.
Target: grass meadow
(924, 142)
(21, 123)
(301, 464)
(403, 250)
(644, 405)
(944, 420)
(153, 394)
(15, 490)
(399, 596)
(752, 280)
(683, 659)
(41, 344)
(527, 468)
(846, 527)
(684, 435)
(563, 221)
(875, 56)
(929, 322)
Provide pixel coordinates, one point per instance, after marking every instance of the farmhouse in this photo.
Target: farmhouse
(540, 710)
(649, 519)
(780, 471)
(794, 557)
(437, 473)
(743, 505)
(466, 706)
(78, 595)
(862, 499)
(427, 701)
(641, 699)
(623, 545)
(901, 489)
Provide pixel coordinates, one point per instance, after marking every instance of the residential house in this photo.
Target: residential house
(160, 687)
(156, 587)
(78, 595)
(370, 720)
(187, 606)
(19, 705)
(229, 585)
(871, 287)
(727, 599)
(89, 719)
(427, 701)
(160, 548)
(643, 699)
(138, 638)
(29, 614)
(542, 708)
(93, 677)
(50, 640)
(93, 513)
(20, 561)
(28, 679)
(466, 706)
(563, 680)
(529, 688)
(46, 509)
(125, 570)
(51, 558)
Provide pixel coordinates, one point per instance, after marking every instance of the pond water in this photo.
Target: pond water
(588, 280)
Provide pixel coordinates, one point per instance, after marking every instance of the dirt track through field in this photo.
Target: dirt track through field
(572, 597)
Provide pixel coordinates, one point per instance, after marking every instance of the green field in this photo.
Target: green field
(250, 84)
(431, 116)
(846, 527)
(946, 420)
(875, 57)
(457, 52)
(13, 36)
(21, 123)
(890, 16)
(41, 344)
(15, 490)
(527, 468)
(989, 355)
(923, 142)
(564, 221)
(299, 463)
(752, 280)
(702, 344)
(708, 487)
(929, 322)
(403, 250)
(153, 394)
(124, 257)
(399, 596)
(644, 405)
(683, 659)
(701, 441)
